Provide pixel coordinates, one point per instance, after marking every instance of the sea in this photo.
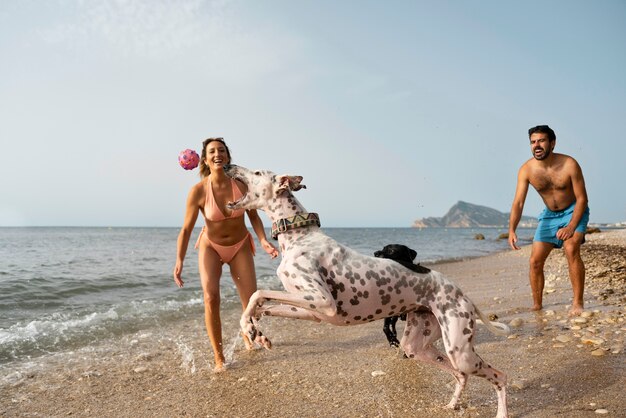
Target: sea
(64, 289)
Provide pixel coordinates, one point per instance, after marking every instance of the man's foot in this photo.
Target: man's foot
(576, 310)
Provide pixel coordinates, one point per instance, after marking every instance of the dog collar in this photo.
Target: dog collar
(298, 221)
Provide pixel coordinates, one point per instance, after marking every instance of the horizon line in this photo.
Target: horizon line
(591, 224)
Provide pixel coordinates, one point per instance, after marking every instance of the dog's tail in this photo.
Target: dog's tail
(497, 328)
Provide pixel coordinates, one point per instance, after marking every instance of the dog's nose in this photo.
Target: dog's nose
(227, 167)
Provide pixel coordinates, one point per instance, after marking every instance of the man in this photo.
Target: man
(559, 181)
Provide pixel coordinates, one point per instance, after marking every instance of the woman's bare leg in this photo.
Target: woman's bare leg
(244, 276)
(210, 268)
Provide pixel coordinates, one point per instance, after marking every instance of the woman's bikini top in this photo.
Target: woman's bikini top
(212, 212)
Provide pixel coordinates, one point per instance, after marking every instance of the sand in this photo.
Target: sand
(556, 367)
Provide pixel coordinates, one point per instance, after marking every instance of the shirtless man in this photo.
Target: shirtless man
(559, 181)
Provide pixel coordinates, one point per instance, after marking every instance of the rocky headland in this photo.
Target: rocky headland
(469, 215)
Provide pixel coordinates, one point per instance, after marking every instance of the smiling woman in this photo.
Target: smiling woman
(224, 239)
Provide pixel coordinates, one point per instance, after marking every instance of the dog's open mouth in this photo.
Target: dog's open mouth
(243, 196)
(233, 175)
(237, 202)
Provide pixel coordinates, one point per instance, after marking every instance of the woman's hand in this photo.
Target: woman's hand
(269, 248)
(178, 271)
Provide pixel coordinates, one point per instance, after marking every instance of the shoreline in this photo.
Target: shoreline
(555, 365)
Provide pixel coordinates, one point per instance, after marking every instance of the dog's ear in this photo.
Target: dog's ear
(286, 182)
(388, 248)
(412, 253)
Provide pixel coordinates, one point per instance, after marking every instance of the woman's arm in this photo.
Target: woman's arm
(257, 225)
(191, 215)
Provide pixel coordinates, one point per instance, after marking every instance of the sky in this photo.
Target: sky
(392, 111)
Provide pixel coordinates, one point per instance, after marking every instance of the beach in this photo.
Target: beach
(556, 366)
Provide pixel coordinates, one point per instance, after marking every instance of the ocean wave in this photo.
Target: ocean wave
(69, 330)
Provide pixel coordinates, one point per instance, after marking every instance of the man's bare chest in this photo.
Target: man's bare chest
(545, 182)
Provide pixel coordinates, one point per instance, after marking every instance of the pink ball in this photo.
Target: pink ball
(188, 159)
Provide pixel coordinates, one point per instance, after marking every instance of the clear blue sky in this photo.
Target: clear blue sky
(391, 110)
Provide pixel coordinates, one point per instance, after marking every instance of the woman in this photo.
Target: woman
(224, 239)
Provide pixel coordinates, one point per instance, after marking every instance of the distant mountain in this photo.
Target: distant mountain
(468, 215)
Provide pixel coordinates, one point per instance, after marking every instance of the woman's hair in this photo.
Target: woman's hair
(204, 168)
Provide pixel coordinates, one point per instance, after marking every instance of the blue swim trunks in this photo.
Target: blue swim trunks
(550, 222)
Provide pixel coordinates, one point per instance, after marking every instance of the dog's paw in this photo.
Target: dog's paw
(263, 341)
(452, 405)
(247, 342)
(250, 332)
(248, 328)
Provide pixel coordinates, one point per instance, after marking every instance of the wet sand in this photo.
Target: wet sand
(556, 366)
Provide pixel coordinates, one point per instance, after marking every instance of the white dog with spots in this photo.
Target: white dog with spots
(329, 282)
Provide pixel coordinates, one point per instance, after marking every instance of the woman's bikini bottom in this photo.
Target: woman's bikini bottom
(227, 252)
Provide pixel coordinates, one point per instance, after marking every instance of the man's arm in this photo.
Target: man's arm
(518, 205)
(580, 193)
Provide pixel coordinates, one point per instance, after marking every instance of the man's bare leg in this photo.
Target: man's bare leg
(538, 255)
(576, 272)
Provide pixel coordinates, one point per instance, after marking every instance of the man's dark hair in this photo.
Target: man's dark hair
(543, 129)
